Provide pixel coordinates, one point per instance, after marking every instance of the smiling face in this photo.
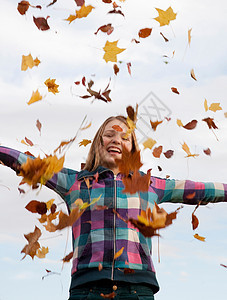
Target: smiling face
(113, 139)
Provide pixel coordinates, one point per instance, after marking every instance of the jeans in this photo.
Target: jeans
(118, 290)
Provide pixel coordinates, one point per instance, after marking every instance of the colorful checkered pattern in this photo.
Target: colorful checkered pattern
(99, 233)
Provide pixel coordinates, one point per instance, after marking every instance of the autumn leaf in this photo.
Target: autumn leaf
(187, 150)
(38, 125)
(129, 68)
(35, 97)
(165, 39)
(116, 69)
(191, 125)
(157, 151)
(175, 90)
(111, 51)
(79, 2)
(165, 16)
(35, 206)
(29, 62)
(106, 29)
(39, 170)
(205, 105)
(41, 23)
(41, 253)
(129, 161)
(84, 142)
(83, 12)
(145, 32)
(168, 153)
(52, 86)
(68, 257)
(33, 245)
(149, 143)
(195, 222)
(108, 296)
(207, 151)
(155, 124)
(179, 123)
(22, 7)
(117, 128)
(193, 74)
(189, 37)
(132, 113)
(200, 238)
(215, 106)
(119, 253)
(136, 182)
(210, 123)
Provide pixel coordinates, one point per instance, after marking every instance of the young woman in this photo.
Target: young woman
(99, 234)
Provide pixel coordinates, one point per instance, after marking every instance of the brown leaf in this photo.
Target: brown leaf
(31, 206)
(134, 40)
(115, 11)
(193, 74)
(106, 29)
(136, 182)
(68, 257)
(155, 124)
(191, 125)
(29, 141)
(207, 151)
(145, 32)
(107, 1)
(116, 69)
(33, 245)
(168, 153)
(157, 151)
(100, 267)
(195, 222)
(80, 2)
(22, 7)
(38, 125)
(166, 40)
(174, 90)
(53, 208)
(41, 208)
(131, 113)
(210, 123)
(41, 23)
(129, 161)
(129, 68)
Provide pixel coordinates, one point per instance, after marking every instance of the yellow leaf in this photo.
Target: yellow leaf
(86, 127)
(111, 51)
(189, 36)
(225, 114)
(149, 143)
(71, 18)
(49, 203)
(52, 86)
(27, 62)
(165, 16)
(119, 253)
(23, 142)
(36, 62)
(205, 105)
(200, 238)
(41, 253)
(215, 106)
(186, 149)
(35, 97)
(83, 12)
(84, 142)
(179, 123)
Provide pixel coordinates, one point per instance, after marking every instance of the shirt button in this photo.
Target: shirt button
(114, 287)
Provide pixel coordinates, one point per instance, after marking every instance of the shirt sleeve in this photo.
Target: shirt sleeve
(188, 192)
(60, 182)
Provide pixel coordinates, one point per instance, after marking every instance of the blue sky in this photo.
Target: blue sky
(188, 268)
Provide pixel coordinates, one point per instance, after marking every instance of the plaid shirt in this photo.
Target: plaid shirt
(99, 233)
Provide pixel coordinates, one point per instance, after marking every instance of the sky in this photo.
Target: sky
(186, 268)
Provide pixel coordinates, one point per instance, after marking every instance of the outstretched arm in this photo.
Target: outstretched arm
(188, 192)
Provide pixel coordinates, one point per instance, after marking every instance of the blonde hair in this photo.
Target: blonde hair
(93, 158)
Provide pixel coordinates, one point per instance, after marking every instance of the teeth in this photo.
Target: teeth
(114, 150)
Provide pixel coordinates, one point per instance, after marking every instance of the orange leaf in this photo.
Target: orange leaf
(117, 128)
(68, 257)
(119, 253)
(33, 245)
(195, 222)
(52, 86)
(157, 151)
(210, 123)
(193, 74)
(136, 182)
(155, 124)
(200, 238)
(35, 97)
(116, 69)
(129, 161)
(145, 32)
(174, 90)
(23, 7)
(191, 125)
(84, 142)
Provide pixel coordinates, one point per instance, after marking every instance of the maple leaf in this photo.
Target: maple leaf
(39, 170)
(111, 51)
(52, 86)
(41, 253)
(29, 62)
(187, 150)
(33, 245)
(145, 32)
(149, 143)
(83, 12)
(35, 97)
(165, 16)
(136, 182)
(84, 142)
(41, 23)
(155, 124)
(215, 106)
(129, 161)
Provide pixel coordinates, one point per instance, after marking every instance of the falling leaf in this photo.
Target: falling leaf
(195, 222)
(193, 74)
(179, 123)
(84, 142)
(136, 182)
(52, 3)
(189, 37)
(215, 106)
(41, 253)
(41, 23)
(174, 90)
(145, 32)
(83, 12)
(116, 69)
(157, 151)
(35, 97)
(149, 143)
(187, 150)
(205, 105)
(165, 39)
(111, 51)
(191, 125)
(117, 128)
(31, 206)
(129, 161)
(115, 11)
(134, 40)
(210, 123)
(129, 68)
(168, 153)
(39, 170)
(200, 238)
(33, 245)
(29, 62)
(223, 265)
(165, 16)
(68, 257)
(52, 86)
(119, 253)
(106, 29)
(225, 114)
(132, 113)
(80, 2)
(38, 125)
(22, 7)
(207, 151)
(155, 124)
(86, 126)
